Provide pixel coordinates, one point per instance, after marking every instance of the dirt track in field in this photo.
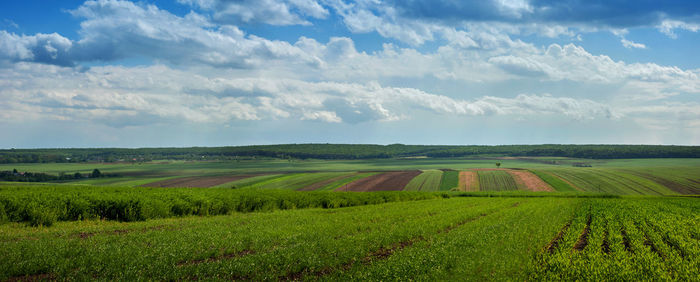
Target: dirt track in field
(388, 181)
(468, 181)
(529, 181)
(325, 182)
(198, 181)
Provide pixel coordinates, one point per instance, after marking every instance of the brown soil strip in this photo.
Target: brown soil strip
(388, 181)
(198, 181)
(552, 246)
(583, 239)
(650, 244)
(468, 181)
(33, 277)
(529, 181)
(325, 182)
(238, 254)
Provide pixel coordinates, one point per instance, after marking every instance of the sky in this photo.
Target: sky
(182, 73)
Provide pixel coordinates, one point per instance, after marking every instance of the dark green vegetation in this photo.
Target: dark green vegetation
(343, 151)
(496, 180)
(450, 179)
(17, 176)
(457, 238)
(46, 204)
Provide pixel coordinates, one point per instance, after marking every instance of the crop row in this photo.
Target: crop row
(609, 181)
(435, 239)
(496, 180)
(622, 239)
(46, 204)
(429, 180)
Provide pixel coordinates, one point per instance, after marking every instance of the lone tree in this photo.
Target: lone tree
(14, 171)
(498, 164)
(96, 173)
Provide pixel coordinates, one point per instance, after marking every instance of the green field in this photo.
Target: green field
(643, 176)
(450, 179)
(429, 180)
(457, 238)
(496, 180)
(609, 181)
(557, 183)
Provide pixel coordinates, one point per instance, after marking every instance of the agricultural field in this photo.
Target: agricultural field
(429, 180)
(450, 180)
(420, 219)
(609, 181)
(646, 177)
(438, 238)
(496, 180)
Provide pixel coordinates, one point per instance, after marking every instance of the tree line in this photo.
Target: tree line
(342, 151)
(17, 176)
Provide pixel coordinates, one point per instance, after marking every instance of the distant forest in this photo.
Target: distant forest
(342, 151)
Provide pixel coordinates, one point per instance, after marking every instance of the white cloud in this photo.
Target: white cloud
(45, 48)
(272, 12)
(631, 44)
(668, 27)
(121, 96)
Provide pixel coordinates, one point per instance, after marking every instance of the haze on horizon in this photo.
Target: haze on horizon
(183, 73)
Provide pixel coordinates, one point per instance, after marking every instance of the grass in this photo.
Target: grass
(459, 238)
(496, 180)
(429, 180)
(450, 179)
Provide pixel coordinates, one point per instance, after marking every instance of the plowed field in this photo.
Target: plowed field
(468, 181)
(528, 181)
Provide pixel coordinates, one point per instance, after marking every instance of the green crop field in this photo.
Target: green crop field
(261, 228)
(609, 181)
(429, 180)
(557, 183)
(644, 176)
(450, 179)
(496, 180)
(446, 238)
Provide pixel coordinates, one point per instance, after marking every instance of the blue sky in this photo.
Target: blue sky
(215, 72)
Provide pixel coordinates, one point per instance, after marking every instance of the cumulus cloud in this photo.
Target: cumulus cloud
(113, 30)
(44, 48)
(273, 12)
(121, 96)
